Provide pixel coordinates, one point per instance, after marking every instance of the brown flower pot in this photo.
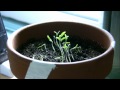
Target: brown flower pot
(95, 68)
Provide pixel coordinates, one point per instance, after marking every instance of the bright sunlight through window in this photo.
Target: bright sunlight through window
(89, 17)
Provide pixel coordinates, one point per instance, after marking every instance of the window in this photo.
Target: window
(89, 16)
(16, 19)
(3, 39)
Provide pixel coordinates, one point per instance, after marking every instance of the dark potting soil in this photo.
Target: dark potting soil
(89, 49)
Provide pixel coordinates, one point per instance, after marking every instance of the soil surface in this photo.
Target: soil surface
(88, 49)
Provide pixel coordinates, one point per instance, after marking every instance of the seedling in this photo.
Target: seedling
(60, 41)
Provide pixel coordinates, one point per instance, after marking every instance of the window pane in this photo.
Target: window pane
(93, 15)
(89, 17)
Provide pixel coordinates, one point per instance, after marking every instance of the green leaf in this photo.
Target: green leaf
(62, 34)
(66, 45)
(74, 47)
(66, 37)
(67, 42)
(56, 33)
(63, 38)
(58, 38)
(49, 38)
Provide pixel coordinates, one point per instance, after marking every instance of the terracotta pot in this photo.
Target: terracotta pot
(95, 68)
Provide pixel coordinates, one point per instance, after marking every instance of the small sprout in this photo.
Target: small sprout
(51, 42)
(62, 34)
(56, 33)
(60, 40)
(66, 37)
(76, 46)
(49, 38)
(43, 45)
(66, 45)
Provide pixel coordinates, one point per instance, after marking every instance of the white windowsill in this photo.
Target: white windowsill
(5, 69)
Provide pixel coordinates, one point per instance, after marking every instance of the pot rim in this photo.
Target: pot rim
(9, 44)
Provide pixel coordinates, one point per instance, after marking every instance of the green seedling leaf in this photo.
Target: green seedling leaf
(67, 42)
(75, 46)
(66, 45)
(49, 38)
(62, 34)
(58, 38)
(56, 33)
(66, 37)
(40, 46)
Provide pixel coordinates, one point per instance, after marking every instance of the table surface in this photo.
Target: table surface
(6, 77)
